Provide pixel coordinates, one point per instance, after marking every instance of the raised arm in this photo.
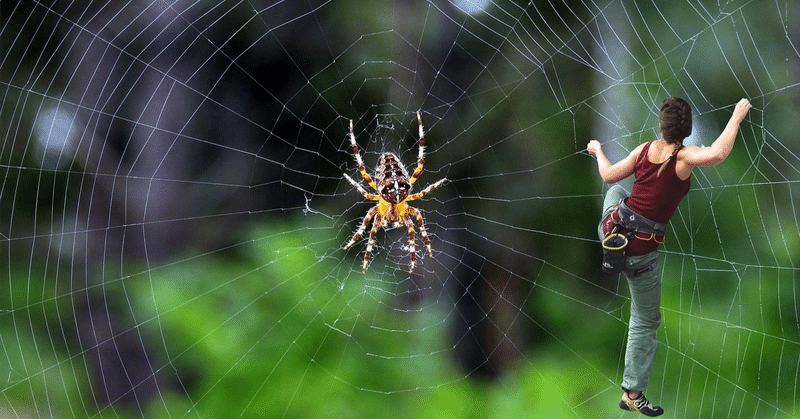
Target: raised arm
(721, 148)
(613, 172)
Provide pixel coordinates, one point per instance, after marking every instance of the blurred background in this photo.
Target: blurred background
(173, 208)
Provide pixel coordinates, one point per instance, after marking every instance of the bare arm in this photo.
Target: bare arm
(722, 146)
(613, 172)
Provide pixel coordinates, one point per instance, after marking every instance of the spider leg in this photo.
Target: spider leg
(420, 157)
(412, 246)
(360, 162)
(422, 193)
(375, 226)
(362, 227)
(371, 197)
(415, 212)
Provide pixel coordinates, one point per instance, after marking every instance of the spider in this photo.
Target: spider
(393, 186)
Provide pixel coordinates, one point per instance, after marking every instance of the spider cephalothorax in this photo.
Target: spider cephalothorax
(393, 186)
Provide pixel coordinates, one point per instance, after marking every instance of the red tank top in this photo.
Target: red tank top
(654, 197)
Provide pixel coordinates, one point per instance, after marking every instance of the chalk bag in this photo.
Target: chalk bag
(614, 253)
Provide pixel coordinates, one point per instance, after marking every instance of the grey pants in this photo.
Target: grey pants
(645, 318)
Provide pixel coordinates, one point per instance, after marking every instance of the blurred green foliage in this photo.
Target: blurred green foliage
(302, 348)
(268, 345)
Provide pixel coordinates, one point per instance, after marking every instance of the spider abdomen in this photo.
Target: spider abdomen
(391, 178)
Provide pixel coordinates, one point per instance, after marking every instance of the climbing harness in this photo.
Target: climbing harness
(623, 224)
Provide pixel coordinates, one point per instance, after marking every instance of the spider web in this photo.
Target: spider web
(173, 208)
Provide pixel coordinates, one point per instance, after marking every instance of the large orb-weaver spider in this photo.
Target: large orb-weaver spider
(393, 186)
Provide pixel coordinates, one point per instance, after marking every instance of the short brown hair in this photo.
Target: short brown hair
(675, 119)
